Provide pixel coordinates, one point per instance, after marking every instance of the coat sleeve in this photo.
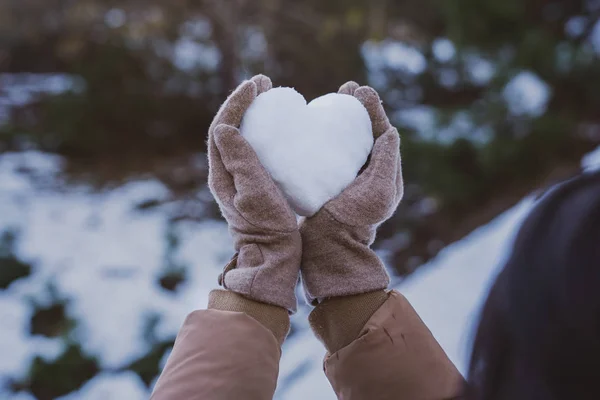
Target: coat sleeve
(220, 355)
(395, 357)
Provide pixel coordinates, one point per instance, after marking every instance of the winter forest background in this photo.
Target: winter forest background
(109, 236)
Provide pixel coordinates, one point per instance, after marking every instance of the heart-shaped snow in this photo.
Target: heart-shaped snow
(313, 151)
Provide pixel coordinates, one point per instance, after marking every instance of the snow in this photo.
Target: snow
(449, 291)
(106, 257)
(395, 55)
(124, 385)
(575, 26)
(526, 94)
(380, 57)
(480, 70)
(17, 89)
(190, 55)
(443, 49)
(595, 37)
(197, 27)
(21, 88)
(102, 256)
(18, 349)
(115, 18)
(313, 151)
(591, 161)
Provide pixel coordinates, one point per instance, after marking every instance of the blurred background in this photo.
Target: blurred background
(109, 236)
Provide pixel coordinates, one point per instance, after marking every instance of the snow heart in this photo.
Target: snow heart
(313, 152)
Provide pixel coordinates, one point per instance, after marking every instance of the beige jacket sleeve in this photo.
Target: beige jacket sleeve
(395, 357)
(226, 355)
(220, 355)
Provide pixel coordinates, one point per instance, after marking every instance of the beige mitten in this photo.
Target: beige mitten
(337, 259)
(262, 224)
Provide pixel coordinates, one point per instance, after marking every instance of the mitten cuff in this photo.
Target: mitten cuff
(275, 319)
(337, 321)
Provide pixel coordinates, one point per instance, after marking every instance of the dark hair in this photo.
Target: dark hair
(539, 333)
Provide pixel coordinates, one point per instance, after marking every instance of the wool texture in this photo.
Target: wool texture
(337, 259)
(261, 222)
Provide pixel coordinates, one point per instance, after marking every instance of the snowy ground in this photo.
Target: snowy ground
(106, 257)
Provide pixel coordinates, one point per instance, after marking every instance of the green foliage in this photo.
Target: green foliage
(51, 321)
(148, 366)
(49, 317)
(484, 23)
(48, 380)
(11, 267)
(174, 273)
